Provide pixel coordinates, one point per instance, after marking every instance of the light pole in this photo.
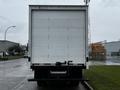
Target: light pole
(7, 30)
(4, 53)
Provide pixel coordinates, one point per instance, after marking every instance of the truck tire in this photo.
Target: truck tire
(41, 83)
(74, 83)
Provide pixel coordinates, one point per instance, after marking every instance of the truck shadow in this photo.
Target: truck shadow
(58, 88)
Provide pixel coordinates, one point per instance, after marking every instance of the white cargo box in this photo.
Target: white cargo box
(58, 33)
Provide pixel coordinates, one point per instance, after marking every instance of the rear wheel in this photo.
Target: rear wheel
(74, 83)
(41, 83)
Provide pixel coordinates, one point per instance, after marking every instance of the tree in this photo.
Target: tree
(15, 50)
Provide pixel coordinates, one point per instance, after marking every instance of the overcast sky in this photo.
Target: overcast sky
(104, 18)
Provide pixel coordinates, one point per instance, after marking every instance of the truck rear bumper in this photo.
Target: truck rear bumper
(77, 79)
(53, 72)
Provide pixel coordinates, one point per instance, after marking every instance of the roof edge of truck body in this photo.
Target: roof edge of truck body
(58, 7)
(62, 5)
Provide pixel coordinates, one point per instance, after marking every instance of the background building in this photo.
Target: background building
(112, 49)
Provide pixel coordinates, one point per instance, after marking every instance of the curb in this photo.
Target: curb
(87, 86)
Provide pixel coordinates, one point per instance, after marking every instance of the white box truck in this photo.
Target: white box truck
(58, 42)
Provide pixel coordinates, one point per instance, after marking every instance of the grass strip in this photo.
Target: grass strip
(10, 58)
(104, 77)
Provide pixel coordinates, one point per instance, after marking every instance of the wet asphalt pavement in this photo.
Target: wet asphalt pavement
(14, 75)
